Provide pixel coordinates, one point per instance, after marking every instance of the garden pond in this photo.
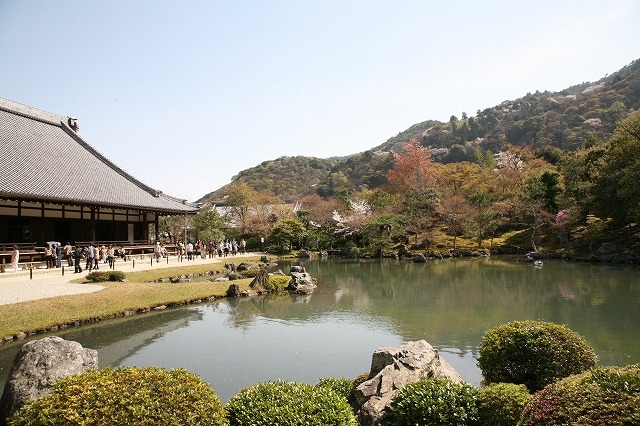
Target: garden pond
(360, 306)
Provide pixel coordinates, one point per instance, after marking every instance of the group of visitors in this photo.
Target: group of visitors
(53, 255)
(222, 248)
(159, 250)
(93, 255)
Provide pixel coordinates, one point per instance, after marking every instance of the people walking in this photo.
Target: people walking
(90, 254)
(15, 258)
(77, 257)
(58, 254)
(68, 253)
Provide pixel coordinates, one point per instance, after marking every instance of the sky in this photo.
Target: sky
(184, 95)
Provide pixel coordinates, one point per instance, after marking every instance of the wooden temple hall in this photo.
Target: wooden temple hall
(54, 186)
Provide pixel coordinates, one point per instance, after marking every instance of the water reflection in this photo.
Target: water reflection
(359, 307)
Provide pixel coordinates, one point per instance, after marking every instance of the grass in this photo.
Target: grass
(138, 294)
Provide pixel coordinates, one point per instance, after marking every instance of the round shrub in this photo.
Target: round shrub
(501, 404)
(434, 402)
(604, 396)
(101, 276)
(277, 283)
(341, 386)
(289, 404)
(533, 353)
(123, 396)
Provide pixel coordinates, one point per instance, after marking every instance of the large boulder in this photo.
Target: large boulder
(301, 283)
(392, 368)
(37, 365)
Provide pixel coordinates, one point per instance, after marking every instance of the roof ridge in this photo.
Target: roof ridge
(23, 110)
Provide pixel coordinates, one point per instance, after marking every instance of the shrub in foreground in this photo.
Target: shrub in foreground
(434, 402)
(126, 396)
(501, 404)
(341, 386)
(604, 396)
(101, 276)
(289, 404)
(533, 353)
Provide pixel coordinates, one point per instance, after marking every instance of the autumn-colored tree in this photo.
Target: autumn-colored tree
(414, 170)
(413, 180)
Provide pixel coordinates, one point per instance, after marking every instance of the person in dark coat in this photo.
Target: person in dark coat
(77, 257)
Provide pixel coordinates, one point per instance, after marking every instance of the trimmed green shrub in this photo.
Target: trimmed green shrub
(123, 396)
(434, 402)
(604, 396)
(533, 353)
(341, 386)
(501, 404)
(277, 283)
(101, 276)
(289, 404)
(250, 273)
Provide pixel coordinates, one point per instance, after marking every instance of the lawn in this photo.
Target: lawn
(138, 294)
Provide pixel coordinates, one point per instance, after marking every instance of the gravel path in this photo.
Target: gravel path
(21, 286)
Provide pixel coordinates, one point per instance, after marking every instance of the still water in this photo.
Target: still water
(359, 307)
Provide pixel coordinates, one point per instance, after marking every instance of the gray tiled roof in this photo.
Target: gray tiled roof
(43, 158)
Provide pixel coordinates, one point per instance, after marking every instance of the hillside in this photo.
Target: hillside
(567, 120)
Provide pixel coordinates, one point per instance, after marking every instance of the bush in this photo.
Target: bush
(250, 273)
(533, 353)
(434, 402)
(604, 396)
(126, 396)
(101, 276)
(501, 404)
(341, 386)
(277, 283)
(289, 403)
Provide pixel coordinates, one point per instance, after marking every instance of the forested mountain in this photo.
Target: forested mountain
(567, 120)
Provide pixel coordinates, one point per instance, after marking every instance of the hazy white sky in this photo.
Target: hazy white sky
(185, 94)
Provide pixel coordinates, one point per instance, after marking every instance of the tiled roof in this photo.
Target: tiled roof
(43, 158)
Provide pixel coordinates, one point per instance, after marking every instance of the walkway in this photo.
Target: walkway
(21, 286)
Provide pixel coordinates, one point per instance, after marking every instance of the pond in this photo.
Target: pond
(361, 306)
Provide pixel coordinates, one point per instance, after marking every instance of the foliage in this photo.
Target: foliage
(414, 169)
(141, 396)
(341, 386)
(101, 276)
(501, 404)
(604, 396)
(208, 225)
(434, 402)
(289, 403)
(533, 353)
(618, 193)
(277, 283)
(287, 231)
(384, 231)
(507, 168)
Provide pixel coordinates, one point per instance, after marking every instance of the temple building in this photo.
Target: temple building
(55, 186)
